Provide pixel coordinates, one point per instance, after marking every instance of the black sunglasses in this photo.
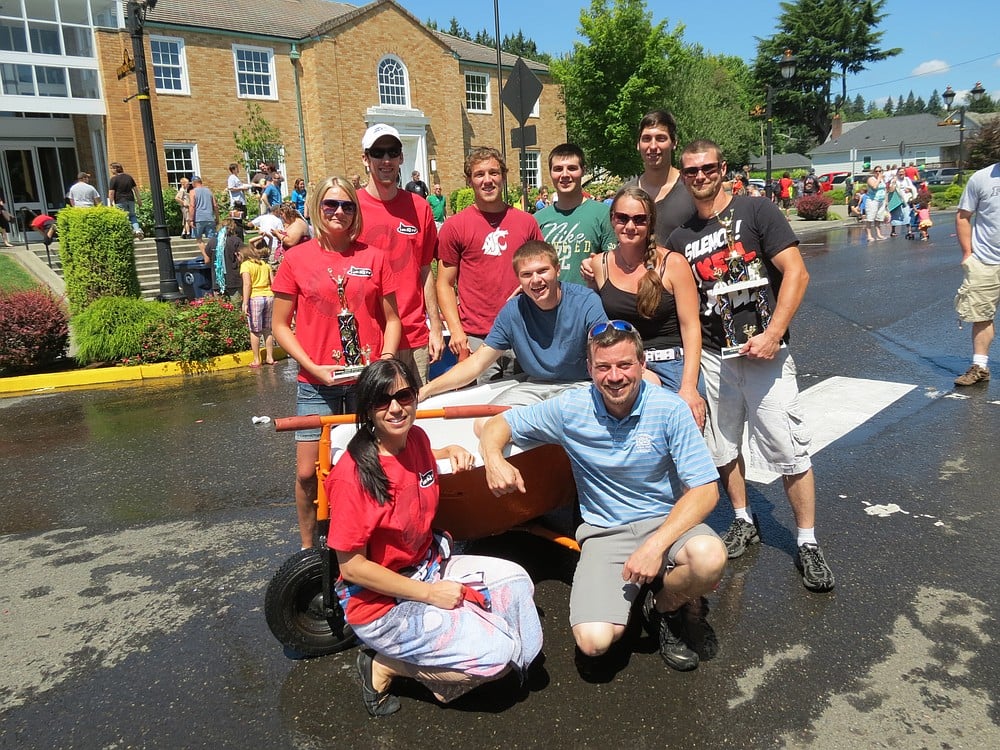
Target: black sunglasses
(378, 153)
(619, 325)
(707, 169)
(330, 206)
(403, 397)
(640, 220)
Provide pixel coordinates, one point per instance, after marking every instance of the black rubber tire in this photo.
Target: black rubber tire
(293, 606)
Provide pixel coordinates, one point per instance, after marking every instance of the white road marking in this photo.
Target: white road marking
(832, 409)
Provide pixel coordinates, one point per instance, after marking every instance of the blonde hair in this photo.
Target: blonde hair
(256, 249)
(650, 291)
(316, 204)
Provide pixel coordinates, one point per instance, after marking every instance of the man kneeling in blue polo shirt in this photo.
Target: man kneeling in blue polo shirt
(645, 482)
(545, 325)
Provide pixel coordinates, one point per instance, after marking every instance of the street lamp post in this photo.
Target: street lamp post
(949, 97)
(136, 10)
(787, 67)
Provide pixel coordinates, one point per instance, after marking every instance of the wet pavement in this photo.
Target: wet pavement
(141, 524)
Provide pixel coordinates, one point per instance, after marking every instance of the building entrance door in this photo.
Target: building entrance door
(22, 188)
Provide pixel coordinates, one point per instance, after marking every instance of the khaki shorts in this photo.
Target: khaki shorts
(977, 298)
(760, 393)
(599, 593)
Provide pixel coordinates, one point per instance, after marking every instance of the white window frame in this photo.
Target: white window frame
(527, 168)
(185, 89)
(272, 78)
(193, 149)
(534, 110)
(405, 84)
(485, 80)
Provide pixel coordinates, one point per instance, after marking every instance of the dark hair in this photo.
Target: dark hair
(612, 336)
(536, 249)
(375, 381)
(659, 118)
(703, 146)
(565, 150)
(650, 289)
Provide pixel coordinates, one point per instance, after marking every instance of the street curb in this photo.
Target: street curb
(19, 385)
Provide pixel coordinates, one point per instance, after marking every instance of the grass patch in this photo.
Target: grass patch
(13, 278)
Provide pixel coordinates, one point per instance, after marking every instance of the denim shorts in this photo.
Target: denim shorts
(322, 400)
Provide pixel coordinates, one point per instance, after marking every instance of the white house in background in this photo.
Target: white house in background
(858, 146)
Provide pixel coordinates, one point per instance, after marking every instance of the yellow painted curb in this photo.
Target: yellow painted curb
(21, 384)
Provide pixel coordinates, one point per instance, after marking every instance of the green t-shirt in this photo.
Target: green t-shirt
(437, 206)
(576, 234)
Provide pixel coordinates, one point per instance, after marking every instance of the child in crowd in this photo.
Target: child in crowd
(914, 225)
(924, 199)
(258, 299)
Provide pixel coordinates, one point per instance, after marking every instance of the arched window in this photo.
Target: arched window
(393, 89)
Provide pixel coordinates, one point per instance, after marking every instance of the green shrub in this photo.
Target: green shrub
(837, 195)
(462, 198)
(111, 329)
(950, 196)
(171, 211)
(97, 253)
(813, 207)
(34, 329)
(196, 331)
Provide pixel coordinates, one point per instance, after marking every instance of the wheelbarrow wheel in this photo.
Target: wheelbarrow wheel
(293, 606)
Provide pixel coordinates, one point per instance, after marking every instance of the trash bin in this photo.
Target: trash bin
(194, 278)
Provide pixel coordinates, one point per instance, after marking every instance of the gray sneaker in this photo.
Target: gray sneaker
(816, 574)
(739, 536)
(975, 374)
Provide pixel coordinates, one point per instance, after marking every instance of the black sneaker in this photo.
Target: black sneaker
(816, 574)
(700, 635)
(739, 536)
(670, 628)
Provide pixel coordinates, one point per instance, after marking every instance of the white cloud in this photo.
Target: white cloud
(931, 67)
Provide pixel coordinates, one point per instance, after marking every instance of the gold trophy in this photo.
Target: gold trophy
(740, 321)
(355, 358)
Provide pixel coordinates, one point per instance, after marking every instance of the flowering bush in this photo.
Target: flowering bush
(195, 332)
(813, 207)
(34, 329)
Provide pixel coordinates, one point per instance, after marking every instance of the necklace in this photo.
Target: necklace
(624, 264)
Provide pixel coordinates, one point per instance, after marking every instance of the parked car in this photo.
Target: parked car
(944, 176)
(928, 173)
(831, 180)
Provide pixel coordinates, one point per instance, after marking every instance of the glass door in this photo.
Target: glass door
(24, 199)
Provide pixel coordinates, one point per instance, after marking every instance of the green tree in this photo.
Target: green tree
(624, 68)
(984, 105)
(910, 107)
(920, 106)
(984, 147)
(900, 106)
(831, 39)
(934, 105)
(888, 108)
(258, 140)
(520, 45)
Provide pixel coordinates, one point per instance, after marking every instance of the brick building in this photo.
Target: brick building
(320, 71)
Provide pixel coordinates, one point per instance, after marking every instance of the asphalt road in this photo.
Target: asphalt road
(140, 526)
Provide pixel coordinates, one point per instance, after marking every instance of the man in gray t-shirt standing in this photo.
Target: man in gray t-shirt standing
(977, 298)
(82, 194)
(204, 212)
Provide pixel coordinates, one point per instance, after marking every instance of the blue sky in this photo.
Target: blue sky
(944, 43)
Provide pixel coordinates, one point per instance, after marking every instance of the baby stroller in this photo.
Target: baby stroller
(913, 228)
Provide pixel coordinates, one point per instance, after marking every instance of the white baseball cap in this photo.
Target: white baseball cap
(377, 131)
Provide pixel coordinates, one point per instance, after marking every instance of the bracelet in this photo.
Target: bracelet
(387, 355)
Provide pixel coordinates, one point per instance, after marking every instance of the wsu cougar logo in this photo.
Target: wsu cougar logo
(496, 242)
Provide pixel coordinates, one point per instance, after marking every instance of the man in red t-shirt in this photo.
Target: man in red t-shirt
(475, 248)
(402, 224)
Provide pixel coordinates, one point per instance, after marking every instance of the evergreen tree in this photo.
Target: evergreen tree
(934, 105)
(920, 106)
(900, 107)
(888, 107)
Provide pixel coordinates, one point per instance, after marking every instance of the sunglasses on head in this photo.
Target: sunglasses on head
(640, 220)
(330, 206)
(619, 325)
(403, 397)
(392, 152)
(708, 169)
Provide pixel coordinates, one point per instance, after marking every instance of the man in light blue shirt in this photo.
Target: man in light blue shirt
(645, 482)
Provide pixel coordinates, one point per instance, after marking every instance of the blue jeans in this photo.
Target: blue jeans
(129, 208)
(323, 400)
(204, 229)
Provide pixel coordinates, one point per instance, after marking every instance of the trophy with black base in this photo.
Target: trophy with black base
(740, 321)
(355, 359)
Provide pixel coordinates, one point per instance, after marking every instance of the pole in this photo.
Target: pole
(295, 57)
(503, 133)
(961, 138)
(164, 256)
(769, 147)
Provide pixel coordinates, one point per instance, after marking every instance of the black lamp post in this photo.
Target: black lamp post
(787, 67)
(136, 19)
(949, 97)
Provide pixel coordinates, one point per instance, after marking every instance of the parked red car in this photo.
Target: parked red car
(831, 180)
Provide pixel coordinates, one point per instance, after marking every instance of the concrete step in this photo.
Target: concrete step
(146, 263)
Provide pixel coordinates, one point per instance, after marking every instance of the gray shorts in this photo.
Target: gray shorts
(599, 593)
(760, 393)
(530, 392)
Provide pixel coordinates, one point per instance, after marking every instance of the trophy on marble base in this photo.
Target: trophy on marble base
(740, 322)
(355, 359)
